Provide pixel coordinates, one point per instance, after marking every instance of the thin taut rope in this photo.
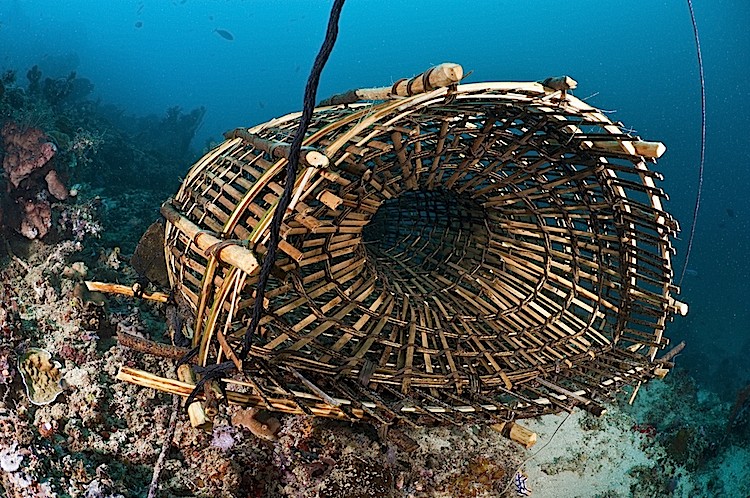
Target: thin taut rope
(291, 171)
(703, 143)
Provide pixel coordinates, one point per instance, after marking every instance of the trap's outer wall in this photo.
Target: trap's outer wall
(560, 300)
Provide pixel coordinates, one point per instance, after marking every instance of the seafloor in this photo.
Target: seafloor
(76, 210)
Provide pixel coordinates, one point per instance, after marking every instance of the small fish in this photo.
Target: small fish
(691, 273)
(224, 34)
(139, 24)
(520, 481)
(730, 212)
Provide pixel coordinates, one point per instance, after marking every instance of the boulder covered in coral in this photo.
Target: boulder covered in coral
(26, 150)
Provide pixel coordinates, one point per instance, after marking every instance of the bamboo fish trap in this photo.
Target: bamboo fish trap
(488, 250)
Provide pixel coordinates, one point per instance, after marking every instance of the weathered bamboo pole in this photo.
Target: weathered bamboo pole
(280, 150)
(143, 345)
(651, 150)
(517, 433)
(560, 83)
(439, 76)
(231, 254)
(671, 353)
(196, 413)
(588, 405)
(124, 290)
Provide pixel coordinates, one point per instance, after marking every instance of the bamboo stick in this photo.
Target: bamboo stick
(197, 415)
(146, 379)
(678, 307)
(124, 290)
(234, 255)
(562, 83)
(651, 150)
(308, 156)
(671, 353)
(318, 408)
(439, 76)
(517, 433)
(589, 405)
(147, 346)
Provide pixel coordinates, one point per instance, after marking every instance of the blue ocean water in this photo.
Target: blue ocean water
(637, 59)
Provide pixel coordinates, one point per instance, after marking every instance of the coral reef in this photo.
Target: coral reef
(101, 437)
(53, 136)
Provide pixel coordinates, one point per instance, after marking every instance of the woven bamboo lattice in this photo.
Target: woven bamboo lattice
(492, 250)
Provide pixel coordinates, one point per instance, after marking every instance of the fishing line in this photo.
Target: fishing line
(311, 90)
(703, 143)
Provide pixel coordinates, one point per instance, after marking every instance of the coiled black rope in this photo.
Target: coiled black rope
(703, 143)
(291, 171)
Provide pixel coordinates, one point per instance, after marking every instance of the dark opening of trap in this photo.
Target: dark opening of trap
(426, 232)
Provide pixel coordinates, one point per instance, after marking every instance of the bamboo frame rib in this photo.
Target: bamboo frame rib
(439, 76)
(233, 255)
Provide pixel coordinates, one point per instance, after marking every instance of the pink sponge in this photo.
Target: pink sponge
(26, 150)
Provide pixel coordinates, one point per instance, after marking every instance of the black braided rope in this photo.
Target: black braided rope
(291, 171)
(699, 192)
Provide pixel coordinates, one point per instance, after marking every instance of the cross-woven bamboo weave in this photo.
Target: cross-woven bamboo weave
(486, 249)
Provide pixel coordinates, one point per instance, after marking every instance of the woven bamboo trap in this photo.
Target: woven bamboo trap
(492, 250)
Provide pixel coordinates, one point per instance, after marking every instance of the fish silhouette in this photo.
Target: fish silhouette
(224, 34)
